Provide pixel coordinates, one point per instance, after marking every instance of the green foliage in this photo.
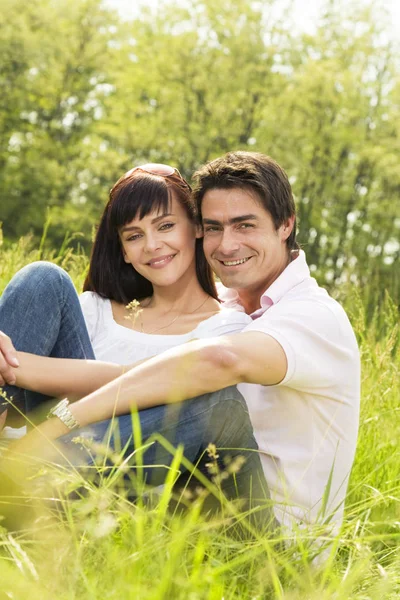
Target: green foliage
(86, 94)
(49, 74)
(15, 255)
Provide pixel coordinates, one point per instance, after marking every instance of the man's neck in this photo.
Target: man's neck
(251, 301)
(250, 298)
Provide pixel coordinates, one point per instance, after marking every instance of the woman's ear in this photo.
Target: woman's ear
(125, 257)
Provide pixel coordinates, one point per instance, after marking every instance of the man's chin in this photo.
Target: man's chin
(230, 281)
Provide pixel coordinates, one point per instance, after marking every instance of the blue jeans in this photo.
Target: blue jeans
(41, 313)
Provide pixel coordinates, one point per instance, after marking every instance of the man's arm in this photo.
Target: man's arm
(187, 371)
(181, 373)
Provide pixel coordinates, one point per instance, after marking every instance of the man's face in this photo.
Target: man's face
(240, 240)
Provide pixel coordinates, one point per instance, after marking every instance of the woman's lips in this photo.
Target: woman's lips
(160, 261)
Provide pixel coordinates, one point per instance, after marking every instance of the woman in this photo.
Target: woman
(148, 249)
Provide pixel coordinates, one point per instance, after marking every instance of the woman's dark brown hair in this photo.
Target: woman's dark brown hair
(136, 195)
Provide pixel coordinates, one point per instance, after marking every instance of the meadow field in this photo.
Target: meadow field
(88, 92)
(105, 547)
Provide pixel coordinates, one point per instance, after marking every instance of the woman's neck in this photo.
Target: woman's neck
(184, 295)
(175, 309)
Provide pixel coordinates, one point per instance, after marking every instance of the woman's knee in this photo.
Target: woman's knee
(40, 275)
(42, 270)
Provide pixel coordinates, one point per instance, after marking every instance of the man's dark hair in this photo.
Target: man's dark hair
(256, 173)
(137, 195)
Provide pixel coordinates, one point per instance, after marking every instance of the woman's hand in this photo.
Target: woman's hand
(8, 360)
(3, 418)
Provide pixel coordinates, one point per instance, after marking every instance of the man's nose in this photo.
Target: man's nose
(229, 244)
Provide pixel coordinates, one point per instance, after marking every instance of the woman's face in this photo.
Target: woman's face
(161, 246)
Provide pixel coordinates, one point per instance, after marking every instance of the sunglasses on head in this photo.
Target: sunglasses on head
(158, 169)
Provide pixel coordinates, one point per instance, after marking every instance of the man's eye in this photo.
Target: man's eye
(210, 229)
(246, 226)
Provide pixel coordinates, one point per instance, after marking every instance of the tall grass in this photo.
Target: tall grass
(105, 547)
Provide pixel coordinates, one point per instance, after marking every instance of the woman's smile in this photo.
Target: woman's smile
(160, 261)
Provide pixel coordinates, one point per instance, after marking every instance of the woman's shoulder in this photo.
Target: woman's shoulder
(224, 322)
(95, 309)
(92, 302)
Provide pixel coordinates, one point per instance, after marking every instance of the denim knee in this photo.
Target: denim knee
(40, 272)
(36, 280)
(231, 420)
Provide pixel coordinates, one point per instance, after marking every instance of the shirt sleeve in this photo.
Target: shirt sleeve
(319, 343)
(224, 323)
(90, 309)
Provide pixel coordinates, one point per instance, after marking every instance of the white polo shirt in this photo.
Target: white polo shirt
(306, 426)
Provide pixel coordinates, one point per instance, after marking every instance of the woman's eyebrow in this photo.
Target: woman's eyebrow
(129, 228)
(155, 220)
(162, 217)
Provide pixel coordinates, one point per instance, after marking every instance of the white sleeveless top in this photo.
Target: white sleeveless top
(118, 344)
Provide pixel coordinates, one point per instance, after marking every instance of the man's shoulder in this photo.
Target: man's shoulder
(308, 295)
(310, 307)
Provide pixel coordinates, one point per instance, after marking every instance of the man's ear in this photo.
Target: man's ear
(287, 227)
(199, 231)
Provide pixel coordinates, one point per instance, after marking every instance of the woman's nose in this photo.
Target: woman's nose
(151, 243)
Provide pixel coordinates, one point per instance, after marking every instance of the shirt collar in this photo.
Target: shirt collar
(296, 272)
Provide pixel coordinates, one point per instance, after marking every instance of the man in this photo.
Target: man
(297, 363)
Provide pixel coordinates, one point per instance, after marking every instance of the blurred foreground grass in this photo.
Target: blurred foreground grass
(108, 548)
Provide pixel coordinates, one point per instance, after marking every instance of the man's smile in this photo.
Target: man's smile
(234, 263)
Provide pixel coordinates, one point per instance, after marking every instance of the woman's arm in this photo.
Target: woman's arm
(57, 377)
(60, 377)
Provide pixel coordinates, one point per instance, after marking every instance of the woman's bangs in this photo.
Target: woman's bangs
(138, 198)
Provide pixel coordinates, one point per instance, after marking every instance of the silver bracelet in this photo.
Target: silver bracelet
(62, 411)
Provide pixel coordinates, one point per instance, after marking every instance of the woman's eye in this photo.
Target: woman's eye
(165, 226)
(133, 237)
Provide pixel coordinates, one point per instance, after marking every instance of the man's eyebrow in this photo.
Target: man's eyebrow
(155, 220)
(232, 221)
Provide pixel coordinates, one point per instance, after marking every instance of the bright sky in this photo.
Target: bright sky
(304, 13)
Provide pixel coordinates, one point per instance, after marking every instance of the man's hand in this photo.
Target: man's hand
(8, 360)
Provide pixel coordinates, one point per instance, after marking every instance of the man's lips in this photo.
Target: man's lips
(234, 262)
(160, 261)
